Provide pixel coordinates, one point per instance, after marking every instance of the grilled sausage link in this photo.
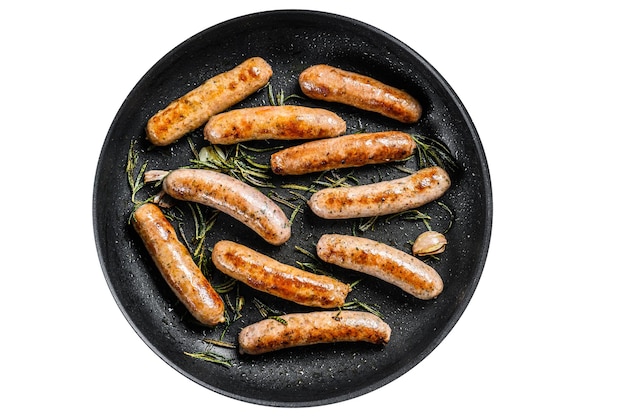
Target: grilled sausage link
(273, 122)
(233, 197)
(343, 152)
(382, 198)
(381, 261)
(323, 82)
(302, 329)
(215, 95)
(270, 276)
(177, 266)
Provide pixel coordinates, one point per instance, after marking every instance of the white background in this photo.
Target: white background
(544, 84)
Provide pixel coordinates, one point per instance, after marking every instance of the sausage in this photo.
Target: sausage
(176, 265)
(302, 329)
(343, 152)
(273, 122)
(215, 95)
(381, 261)
(233, 197)
(323, 82)
(270, 276)
(381, 198)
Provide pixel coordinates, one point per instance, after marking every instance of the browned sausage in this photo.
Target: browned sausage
(233, 197)
(343, 152)
(301, 329)
(323, 82)
(217, 94)
(273, 122)
(381, 261)
(381, 198)
(177, 266)
(268, 275)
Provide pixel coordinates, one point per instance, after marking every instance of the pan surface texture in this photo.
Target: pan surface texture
(291, 41)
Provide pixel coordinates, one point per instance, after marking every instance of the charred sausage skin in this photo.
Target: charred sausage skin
(303, 329)
(273, 122)
(381, 198)
(345, 151)
(381, 261)
(327, 83)
(192, 110)
(176, 265)
(233, 197)
(268, 275)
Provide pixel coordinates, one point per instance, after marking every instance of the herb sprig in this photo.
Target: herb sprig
(279, 99)
(211, 357)
(236, 161)
(135, 180)
(432, 152)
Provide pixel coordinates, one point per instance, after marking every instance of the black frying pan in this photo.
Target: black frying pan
(308, 376)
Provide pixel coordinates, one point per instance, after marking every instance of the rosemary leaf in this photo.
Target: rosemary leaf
(312, 267)
(278, 198)
(258, 150)
(278, 319)
(431, 152)
(353, 305)
(299, 187)
(236, 163)
(305, 252)
(294, 213)
(368, 224)
(239, 303)
(299, 196)
(226, 286)
(250, 160)
(265, 310)
(210, 357)
(279, 99)
(135, 181)
(452, 218)
(220, 343)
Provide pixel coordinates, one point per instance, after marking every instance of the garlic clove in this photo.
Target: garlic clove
(429, 243)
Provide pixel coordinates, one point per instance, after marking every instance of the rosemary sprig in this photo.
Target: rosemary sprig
(413, 215)
(298, 196)
(201, 228)
(416, 215)
(313, 266)
(135, 181)
(236, 162)
(237, 307)
(226, 286)
(330, 179)
(452, 218)
(294, 213)
(279, 319)
(282, 200)
(299, 187)
(355, 304)
(280, 98)
(211, 357)
(239, 303)
(296, 208)
(367, 223)
(305, 252)
(264, 310)
(219, 343)
(355, 283)
(431, 152)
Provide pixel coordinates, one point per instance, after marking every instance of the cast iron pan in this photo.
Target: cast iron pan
(291, 41)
